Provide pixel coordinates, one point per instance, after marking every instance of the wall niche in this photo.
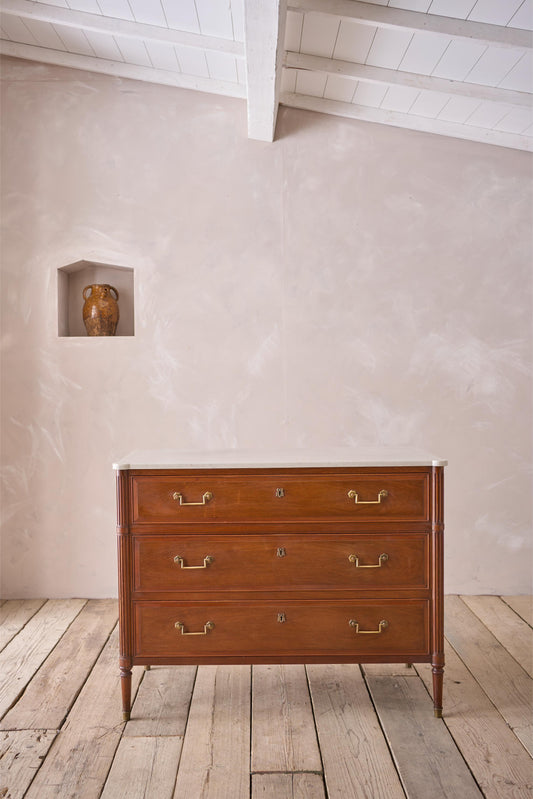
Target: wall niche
(72, 279)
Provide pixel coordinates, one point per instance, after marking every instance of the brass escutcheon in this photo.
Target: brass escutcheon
(282, 618)
(280, 552)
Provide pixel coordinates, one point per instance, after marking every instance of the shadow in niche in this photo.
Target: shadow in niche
(293, 120)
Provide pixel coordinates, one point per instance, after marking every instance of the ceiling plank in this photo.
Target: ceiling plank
(119, 27)
(264, 29)
(410, 121)
(393, 77)
(120, 69)
(387, 17)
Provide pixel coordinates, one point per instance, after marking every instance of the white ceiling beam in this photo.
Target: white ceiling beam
(393, 77)
(119, 27)
(118, 69)
(410, 121)
(264, 33)
(386, 17)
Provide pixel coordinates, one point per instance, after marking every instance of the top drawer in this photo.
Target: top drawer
(178, 498)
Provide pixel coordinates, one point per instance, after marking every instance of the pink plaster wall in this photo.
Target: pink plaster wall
(350, 284)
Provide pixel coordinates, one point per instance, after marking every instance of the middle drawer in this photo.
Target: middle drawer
(280, 561)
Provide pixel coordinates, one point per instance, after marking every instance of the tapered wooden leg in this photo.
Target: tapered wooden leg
(438, 679)
(147, 668)
(125, 685)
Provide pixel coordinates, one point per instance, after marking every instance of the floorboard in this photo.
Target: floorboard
(498, 760)
(14, 614)
(355, 755)
(267, 732)
(510, 630)
(81, 756)
(21, 658)
(162, 703)
(426, 755)
(21, 754)
(504, 681)
(282, 738)
(215, 760)
(522, 606)
(49, 696)
(287, 786)
(144, 768)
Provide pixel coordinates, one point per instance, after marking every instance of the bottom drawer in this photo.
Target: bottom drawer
(211, 629)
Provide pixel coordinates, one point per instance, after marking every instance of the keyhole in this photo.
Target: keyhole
(282, 618)
(280, 492)
(280, 552)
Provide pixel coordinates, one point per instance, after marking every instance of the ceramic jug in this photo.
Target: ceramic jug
(100, 309)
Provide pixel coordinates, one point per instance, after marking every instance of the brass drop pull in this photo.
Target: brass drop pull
(209, 625)
(383, 623)
(382, 558)
(207, 560)
(205, 498)
(355, 496)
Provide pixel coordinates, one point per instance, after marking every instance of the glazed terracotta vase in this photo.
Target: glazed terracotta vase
(100, 309)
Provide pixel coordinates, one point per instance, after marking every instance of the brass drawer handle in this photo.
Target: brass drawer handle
(207, 626)
(383, 623)
(207, 560)
(355, 496)
(205, 498)
(382, 558)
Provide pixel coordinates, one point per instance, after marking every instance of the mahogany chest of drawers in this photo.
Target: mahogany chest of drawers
(335, 560)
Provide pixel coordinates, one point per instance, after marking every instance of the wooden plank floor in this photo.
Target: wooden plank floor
(269, 732)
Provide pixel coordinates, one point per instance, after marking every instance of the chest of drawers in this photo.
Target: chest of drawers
(227, 560)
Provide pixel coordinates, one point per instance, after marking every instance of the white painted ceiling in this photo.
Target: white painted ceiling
(460, 68)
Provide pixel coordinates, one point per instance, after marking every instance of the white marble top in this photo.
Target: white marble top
(257, 459)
